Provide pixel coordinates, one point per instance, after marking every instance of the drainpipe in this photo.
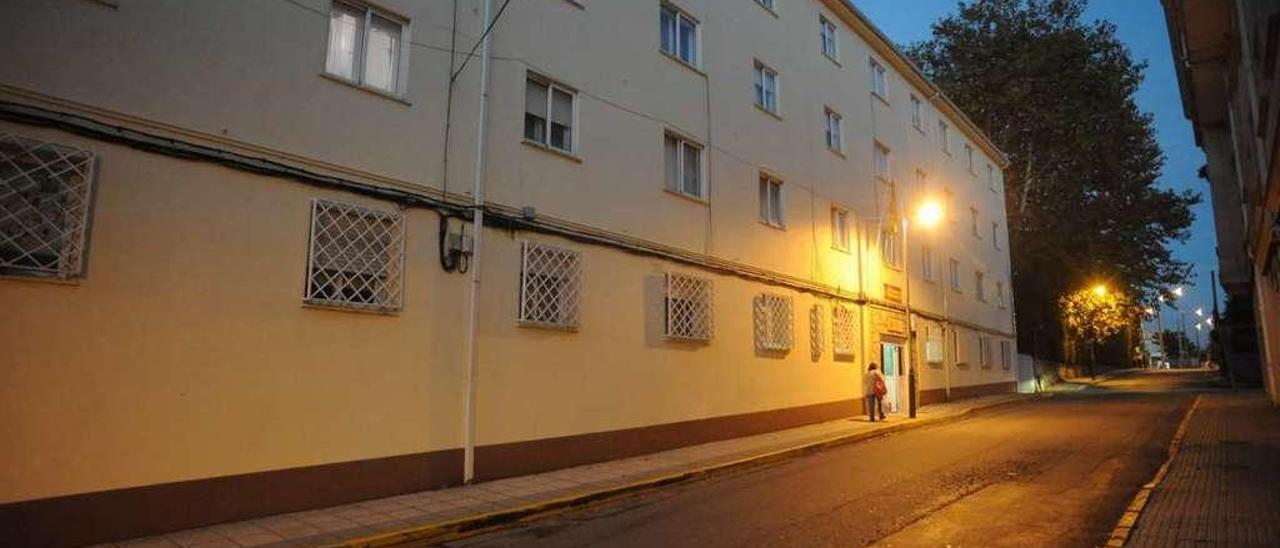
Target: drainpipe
(477, 227)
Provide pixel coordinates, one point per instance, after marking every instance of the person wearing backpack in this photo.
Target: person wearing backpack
(876, 390)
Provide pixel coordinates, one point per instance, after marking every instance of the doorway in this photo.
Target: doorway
(891, 365)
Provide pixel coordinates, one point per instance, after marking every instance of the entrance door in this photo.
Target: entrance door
(891, 361)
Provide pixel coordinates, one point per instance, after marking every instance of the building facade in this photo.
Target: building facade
(242, 275)
(1226, 57)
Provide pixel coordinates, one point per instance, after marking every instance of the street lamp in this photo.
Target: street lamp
(928, 214)
(1100, 290)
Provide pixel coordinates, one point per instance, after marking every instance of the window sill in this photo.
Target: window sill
(546, 325)
(689, 197)
(576, 4)
(42, 279)
(335, 307)
(367, 89)
(880, 97)
(767, 8)
(838, 152)
(895, 268)
(767, 111)
(920, 129)
(682, 62)
(833, 59)
(844, 250)
(552, 150)
(781, 227)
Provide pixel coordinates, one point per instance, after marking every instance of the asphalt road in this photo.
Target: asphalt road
(1054, 472)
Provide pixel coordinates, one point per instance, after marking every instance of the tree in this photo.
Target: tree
(1057, 95)
(1094, 315)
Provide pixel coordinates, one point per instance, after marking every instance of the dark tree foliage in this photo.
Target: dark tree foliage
(1056, 94)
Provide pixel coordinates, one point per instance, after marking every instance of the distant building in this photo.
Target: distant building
(236, 246)
(1226, 54)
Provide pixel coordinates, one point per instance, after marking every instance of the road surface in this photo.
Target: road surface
(1054, 472)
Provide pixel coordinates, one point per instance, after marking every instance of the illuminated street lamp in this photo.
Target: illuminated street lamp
(928, 214)
(1100, 290)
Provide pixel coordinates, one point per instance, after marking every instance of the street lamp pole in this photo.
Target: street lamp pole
(912, 384)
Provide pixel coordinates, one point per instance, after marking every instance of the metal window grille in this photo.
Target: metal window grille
(844, 331)
(550, 285)
(45, 195)
(817, 343)
(688, 305)
(357, 257)
(774, 316)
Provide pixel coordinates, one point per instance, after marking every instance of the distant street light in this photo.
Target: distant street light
(1100, 290)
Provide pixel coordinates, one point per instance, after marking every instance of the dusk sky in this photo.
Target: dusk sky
(1140, 24)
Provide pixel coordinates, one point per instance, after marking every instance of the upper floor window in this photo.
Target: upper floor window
(1000, 294)
(840, 229)
(366, 47)
(926, 263)
(683, 163)
(679, 34)
(878, 85)
(768, 4)
(968, 157)
(955, 275)
(922, 179)
(771, 206)
(45, 195)
(991, 178)
(882, 161)
(944, 136)
(549, 114)
(890, 252)
(827, 32)
(973, 224)
(995, 236)
(979, 285)
(766, 83)
(833, 132)
(917, 116)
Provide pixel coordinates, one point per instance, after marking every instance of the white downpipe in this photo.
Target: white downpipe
(477, 229)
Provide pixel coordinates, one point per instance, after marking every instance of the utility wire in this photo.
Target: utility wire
(483, 35)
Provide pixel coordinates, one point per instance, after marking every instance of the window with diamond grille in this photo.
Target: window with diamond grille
(45, 193)
(817, 343)
(688, 307)
(844, 331)
(774, 318)
(550, 285)
(357, 257)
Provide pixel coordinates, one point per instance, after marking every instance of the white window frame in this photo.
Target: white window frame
(944, 136)
(980, 285)
(881, 161)
(833, 131)
(917, 113)
(927, 272)
(953, 268)
(46, 202)
(1000, 297)
(991, 178)
(546, 111)
(682, 144)
(773, 211)
(844, 330)
(829, 38)
(984, 352)
(680, 15)
(879, 80)
(968, 154)
(774, 322)
(934, 349)
(770, 5)
(890, 248)
(840, 229)
(355, 258)
(693, 321)
(538, 305)
(361, 49)
(765, 83)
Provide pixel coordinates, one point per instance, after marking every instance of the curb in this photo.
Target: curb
(1120, 534)
(465, 526)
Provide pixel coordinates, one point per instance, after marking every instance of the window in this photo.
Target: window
(817, 343)
(921, 180)
(968, 155)
(356, 257)
(768, 4)
(995, 236)
(955, 275)
(773, 322)
(683, 162)
(679, 34)
(979, 285)
(933, 338)
(882, 161)
(926, 263)
(973, 223)
(688, 306)
(1006, 355)
(878, 85)
(1000, 295)
(917, 118)
(840, 229)
(991, 178)
(890, 254)
(771, 206)
(827, 32)
(366, 47)
(766, 82)
(834, 133)
(944, 136)
(550, 285)
(546, 102)
(984, 352)
(844, 331)
(45, 193)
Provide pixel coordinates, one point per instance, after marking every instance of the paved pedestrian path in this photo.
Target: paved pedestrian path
(1223, 485)
(435, 511)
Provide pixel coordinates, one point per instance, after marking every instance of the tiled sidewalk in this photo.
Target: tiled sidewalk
(1223, 486)
(429, 509)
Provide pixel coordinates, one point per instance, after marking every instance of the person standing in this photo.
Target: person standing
(873, 383)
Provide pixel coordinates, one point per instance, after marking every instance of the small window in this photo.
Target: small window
(771, 205)
(973, 223)
(679, 34)
(984, 352)
(944, 137)
(827, 33)
(980, 285)
(817, 342)
(955, 275)
(890, 252)
(922, 180)
(968, 155)
(356, 257)
(550, 285)
(882, 161)
(45, 195)
(1006, 355)
(766, 84)
(844, 331)
(768, 4)
(366, 47)
(549, 114)
(1000, 300)
(688, 306)
(926, 263)
(917, 117)
(840, 229)
(834, 132)
(933, 349)
(683, 161)
(995, 236)
(878, 85)
(991, 178)
(773, 322)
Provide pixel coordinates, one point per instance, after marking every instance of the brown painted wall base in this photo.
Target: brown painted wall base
(939, 395)
(126, 513)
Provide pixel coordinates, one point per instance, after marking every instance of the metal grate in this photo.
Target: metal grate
(45, 192)
(844, 331)
(817, 343)
(357, 257)
(773, 322)
(688, 307)
(550, 285)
